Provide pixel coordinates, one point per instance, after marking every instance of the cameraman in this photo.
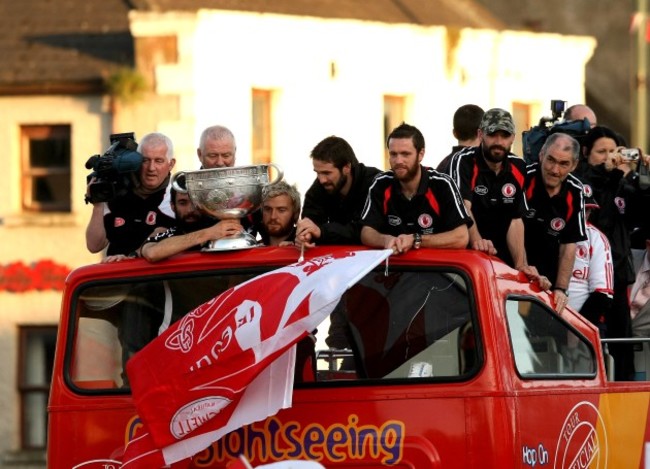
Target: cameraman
(124, 223)
(579, 112)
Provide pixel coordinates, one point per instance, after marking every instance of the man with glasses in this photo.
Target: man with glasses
(555, 220)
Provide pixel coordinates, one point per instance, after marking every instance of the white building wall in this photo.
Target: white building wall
(495, 69)
(225, 54)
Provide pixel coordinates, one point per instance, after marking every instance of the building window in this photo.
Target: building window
(521, 114)
(46, 182)
(36, 358)
(262, 145)
(393, 116)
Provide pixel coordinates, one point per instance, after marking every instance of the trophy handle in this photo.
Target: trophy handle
(280, 174)
(177, 187)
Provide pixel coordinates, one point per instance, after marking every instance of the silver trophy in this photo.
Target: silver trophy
(227, 193)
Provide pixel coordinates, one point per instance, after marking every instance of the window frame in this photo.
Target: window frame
(29, 173)
(72, 332)
(394, 110)
(536, 376)
(522, 114)
(262, 141)
(25, 332)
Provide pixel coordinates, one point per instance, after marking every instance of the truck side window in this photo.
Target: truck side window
(407, 324)
(115, 321)
(544, 346)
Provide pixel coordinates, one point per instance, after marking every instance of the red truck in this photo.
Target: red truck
(443, 359)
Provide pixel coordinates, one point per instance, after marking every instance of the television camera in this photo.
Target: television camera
(113, 171)
(534, 138)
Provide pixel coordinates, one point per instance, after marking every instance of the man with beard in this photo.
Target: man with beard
(191, 231)
(490, 179)
(411, 206)
(555, 221)
(334, 201)
(280, 211)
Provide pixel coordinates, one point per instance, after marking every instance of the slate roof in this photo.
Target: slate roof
(51, 46)
(70, 46)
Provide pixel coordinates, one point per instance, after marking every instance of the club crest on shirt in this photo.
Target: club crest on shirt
(508, 190)
(394, 221)
(151, 218)
(587, 190)
(119, 221)
(425, 220)
(557, 224)
(620, 204)
(581, 251)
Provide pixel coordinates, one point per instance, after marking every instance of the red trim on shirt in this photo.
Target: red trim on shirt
(387, 196)
(432, 201)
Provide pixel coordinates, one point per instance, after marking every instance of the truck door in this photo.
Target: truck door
(559, 389)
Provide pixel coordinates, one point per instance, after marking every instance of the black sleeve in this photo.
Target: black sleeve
(455, 213)
(340, 233)
(314, 206)
(372, 214)
(596, 307)
(460, 171)
(331, 232)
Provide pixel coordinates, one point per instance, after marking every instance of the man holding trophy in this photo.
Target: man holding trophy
(214, 204)
(192, 230)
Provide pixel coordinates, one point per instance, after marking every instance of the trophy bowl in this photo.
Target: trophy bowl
(225, 193)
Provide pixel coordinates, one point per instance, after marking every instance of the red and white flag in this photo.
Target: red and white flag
(210, 373)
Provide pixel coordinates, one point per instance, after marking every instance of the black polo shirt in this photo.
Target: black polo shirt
(435, 208)
(552, 221)
(130, 219)
(496, 199)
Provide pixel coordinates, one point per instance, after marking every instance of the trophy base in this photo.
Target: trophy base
(231, 243)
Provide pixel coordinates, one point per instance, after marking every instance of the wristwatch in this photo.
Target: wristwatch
(417, 240)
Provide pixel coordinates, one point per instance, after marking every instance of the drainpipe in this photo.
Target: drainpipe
(640, 91)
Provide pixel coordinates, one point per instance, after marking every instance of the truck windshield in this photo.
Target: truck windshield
(396, 326)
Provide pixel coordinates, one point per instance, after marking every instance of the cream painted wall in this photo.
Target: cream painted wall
(226, 54)
(32, 237)
(59, 237)
(35, 308)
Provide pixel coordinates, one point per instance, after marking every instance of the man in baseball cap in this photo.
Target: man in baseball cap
(490, 179)
(497, 119)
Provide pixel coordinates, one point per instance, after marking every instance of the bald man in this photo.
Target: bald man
(578, 112)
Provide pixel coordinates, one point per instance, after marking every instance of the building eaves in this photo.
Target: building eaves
(457, 13)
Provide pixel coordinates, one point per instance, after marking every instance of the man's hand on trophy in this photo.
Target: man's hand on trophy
(225, 228)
